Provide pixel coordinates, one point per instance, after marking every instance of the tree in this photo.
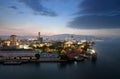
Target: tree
(37, 56)
(63, 56)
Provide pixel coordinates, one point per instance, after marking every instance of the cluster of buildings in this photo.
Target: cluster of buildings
(38, 45)
(18, 49)
(14, 43)
(30, 47)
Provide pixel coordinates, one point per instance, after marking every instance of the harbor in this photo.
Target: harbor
(22, 58)
(15, 51)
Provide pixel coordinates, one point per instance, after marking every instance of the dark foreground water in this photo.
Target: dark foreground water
(106, 67)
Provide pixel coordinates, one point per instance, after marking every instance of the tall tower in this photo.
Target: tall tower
(38, 35)
(13, 40)
(40, 39)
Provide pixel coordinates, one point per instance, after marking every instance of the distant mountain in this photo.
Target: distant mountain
(68, 36)
(71, 36)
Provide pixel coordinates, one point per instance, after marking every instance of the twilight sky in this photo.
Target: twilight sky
(82, 17)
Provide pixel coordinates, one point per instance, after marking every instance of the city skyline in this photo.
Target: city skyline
(50, 17)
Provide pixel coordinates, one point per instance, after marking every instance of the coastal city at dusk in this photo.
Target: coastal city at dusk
(59, 39)
(81, 17)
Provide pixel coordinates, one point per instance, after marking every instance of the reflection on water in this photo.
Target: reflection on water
(106, 66)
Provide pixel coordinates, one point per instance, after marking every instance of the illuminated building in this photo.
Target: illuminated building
(38, 35)
(24, 47)
(32, 39)
(68, 43)
(13, 40)
(40, 39)
(7, 43)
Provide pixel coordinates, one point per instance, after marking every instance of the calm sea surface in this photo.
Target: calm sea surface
(107, 66)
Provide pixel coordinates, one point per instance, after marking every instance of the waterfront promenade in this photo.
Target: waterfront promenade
(27, 57)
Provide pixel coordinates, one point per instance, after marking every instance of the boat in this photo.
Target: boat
(79, 58)
(12, 62)
(94, 57)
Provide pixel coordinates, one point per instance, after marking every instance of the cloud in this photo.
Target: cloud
(97, 14)
(95, 22)
(13, 7)
(37, 7)
(16, 9)
(100, 6)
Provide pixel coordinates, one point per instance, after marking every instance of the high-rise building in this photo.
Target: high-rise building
(13, 40)
(38, 35)
(40, 39)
